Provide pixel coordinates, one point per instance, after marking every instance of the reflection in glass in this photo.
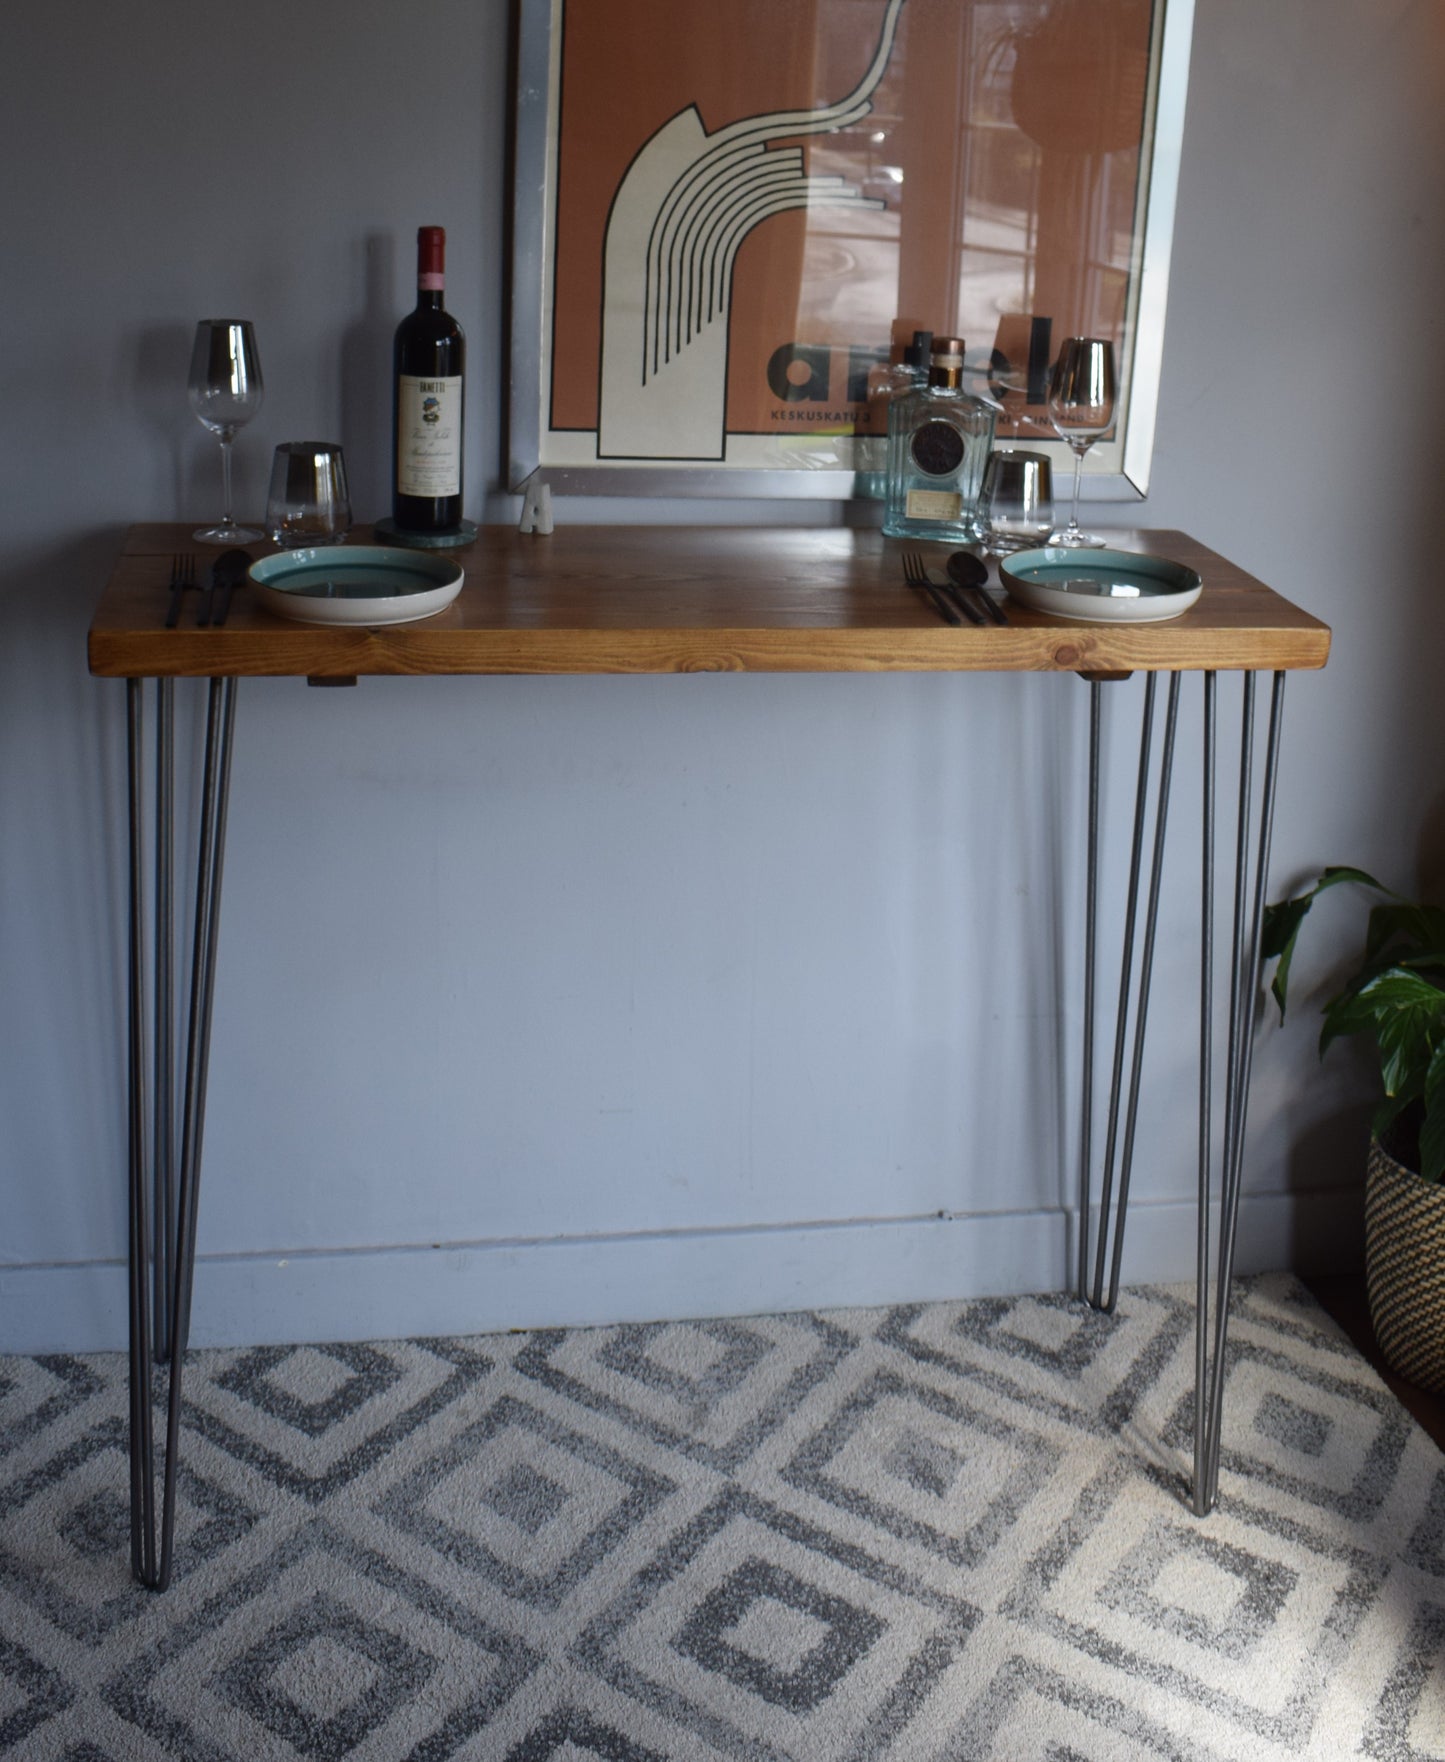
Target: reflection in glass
(996, 167)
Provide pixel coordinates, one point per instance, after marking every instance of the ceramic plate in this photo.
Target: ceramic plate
(356, 584)
(1100, 587)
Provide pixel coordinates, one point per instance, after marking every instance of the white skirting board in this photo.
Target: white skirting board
(488, 1287)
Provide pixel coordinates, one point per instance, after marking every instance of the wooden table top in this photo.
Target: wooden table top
(623, 599)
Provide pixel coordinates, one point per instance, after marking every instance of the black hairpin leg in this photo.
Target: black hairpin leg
(1206, 1096)
(1118, 1159)
(1243, 987)
(1248, 911)
(163, 1113)
(162, 1261)
(142, 1463)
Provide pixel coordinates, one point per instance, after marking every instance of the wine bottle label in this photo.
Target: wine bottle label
(429, 436)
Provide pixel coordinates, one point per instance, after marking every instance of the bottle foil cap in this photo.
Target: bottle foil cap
(431, 251)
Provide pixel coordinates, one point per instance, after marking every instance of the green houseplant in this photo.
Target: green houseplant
(1395, 1000)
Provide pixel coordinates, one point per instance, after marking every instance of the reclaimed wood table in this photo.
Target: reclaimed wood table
(679, 600)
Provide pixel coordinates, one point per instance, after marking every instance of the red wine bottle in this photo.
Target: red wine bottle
(428, 365)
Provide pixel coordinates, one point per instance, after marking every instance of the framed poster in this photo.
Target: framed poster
(732, 215)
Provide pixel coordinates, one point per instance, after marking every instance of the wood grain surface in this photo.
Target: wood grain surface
(617, 599)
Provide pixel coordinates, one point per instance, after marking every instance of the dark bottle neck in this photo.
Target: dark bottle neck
(429, 300)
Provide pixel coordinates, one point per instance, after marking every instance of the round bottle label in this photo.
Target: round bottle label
(937, 449)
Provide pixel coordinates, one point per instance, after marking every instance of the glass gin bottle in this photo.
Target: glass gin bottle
(939, 438)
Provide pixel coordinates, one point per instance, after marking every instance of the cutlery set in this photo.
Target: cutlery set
(958, 595)
(226, 575)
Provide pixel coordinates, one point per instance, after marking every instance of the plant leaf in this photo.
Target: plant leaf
(1396, 1005)
(1337, 872)
(1405, 1013)
(1358, 1009)
(1410, 1031)
(1278, 931)
(1281, 922)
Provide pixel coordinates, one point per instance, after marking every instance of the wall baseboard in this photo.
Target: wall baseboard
(489, 1287)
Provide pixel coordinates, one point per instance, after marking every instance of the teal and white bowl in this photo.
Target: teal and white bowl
(356, 584)
(1100, 586)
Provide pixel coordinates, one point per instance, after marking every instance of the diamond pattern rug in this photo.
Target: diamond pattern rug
(931, 1533)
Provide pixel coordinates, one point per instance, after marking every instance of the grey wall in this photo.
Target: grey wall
(555, 1000)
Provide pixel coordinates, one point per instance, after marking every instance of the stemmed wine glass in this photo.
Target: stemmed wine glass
(225, 390)
(1081, 408)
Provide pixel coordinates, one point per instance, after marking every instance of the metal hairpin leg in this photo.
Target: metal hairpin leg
(162, 1258)
(1113, 1210)
(142, 1463)
(162, 1132)
(1243, 985)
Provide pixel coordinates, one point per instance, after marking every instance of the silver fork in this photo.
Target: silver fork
(183, 576)
(916, 575)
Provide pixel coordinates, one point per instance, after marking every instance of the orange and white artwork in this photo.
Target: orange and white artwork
(753, 204)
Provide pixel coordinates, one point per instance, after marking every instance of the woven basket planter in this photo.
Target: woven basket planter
(1405, 1269)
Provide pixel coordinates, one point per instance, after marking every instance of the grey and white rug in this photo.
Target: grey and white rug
(933, 1533)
